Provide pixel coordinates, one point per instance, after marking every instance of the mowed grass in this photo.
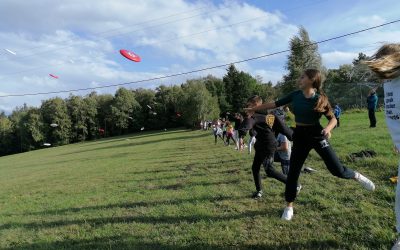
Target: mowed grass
(177, 190)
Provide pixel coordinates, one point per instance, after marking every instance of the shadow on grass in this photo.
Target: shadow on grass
(133, 136)
(136, 204)
(181, 185)
(165, 219)
(140, 143)
(132, 242)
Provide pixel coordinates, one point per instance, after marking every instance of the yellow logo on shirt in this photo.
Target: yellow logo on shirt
(270, 119)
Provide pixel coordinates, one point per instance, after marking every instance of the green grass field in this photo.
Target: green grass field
(177, 190)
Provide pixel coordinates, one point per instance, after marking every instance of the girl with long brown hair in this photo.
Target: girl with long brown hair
(309, 104)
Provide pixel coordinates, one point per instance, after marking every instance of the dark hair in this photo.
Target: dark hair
(323, 104)
(254, 99)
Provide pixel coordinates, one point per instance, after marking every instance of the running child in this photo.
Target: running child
(217, 131)
(229, 133)
(386, 64)
(265, 146)
(309, 104)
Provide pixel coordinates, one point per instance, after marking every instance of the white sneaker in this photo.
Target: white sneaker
(287, 213)
(299, 188)
(396, 245)
(365, 182)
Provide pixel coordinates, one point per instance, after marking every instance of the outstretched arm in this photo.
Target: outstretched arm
(265, 106)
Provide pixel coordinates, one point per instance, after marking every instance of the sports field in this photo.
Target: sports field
(177, 190)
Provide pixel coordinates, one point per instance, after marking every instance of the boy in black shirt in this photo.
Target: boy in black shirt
(265, 126)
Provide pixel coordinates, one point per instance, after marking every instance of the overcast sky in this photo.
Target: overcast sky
(79, 41)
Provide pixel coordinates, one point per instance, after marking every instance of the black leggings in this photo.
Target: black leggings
(266, 159)
(372, 117)
(305, 139)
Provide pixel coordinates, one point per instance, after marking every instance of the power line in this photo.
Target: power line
(173, 39)
(202, 69)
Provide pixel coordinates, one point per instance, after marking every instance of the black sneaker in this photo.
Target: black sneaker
(257, 195)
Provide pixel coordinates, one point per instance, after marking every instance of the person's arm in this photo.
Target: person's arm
(283, 147)
(247, 124)
(271, 105)
(280, 127)
(331, 124)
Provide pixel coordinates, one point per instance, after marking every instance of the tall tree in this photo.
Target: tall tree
(303, 54)
(122, 108)
(7, 144)
(104, 115)
(197, 103)
(239, 86)
(216, 88)
(55, 111)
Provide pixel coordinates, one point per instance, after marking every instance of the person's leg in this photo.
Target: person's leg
(338, 122)
(300, 151)
(285, 166)
(216, 137)
(256, 170)
(328, 155)
(373, 118)
(332, 162)
(270, 170)
(249, 144)
(370, 117)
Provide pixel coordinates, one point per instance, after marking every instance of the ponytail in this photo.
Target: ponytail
(323, 105)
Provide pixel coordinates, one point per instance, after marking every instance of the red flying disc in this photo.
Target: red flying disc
(54, 76)
(130, 55)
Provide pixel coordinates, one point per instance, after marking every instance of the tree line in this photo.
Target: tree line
(80, 118)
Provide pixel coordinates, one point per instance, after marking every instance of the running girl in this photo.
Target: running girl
(229, 133)
(265, 146)
(386, 64)
(309, 104)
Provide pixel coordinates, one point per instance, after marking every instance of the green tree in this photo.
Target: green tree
(216, 88)
(6, 136)
(90, 114)
(104, 115)
(303, 54)
(145, 116)
(239, 87)
(55, 111)
(197, 103)
(122, 108)
(168, 105)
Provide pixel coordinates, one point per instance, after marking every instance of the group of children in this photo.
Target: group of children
(270, 135)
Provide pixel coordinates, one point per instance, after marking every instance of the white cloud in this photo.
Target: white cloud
(371, 20)
(334, 59)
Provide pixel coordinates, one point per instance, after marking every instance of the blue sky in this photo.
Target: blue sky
(80, 40)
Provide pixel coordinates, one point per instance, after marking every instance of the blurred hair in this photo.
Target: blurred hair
(386, 61)
(255, 99)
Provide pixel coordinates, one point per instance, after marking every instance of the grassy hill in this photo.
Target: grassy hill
(177, 190)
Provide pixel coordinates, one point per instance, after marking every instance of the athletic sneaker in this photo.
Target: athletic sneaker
(287, 213)
(396, 245)
(365, 182)
(299, 187)
(257, 195)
